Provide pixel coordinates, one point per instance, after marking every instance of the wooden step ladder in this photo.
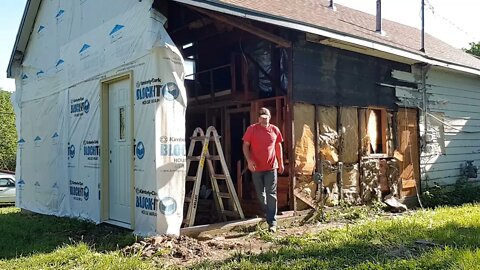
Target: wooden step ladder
(230, 195)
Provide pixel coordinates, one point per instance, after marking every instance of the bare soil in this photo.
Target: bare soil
(184, 251)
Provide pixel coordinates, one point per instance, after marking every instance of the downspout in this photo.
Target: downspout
(424, 70)
(422, 49)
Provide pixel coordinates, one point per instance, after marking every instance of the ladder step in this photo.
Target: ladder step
(194, 158)
(188, 200)
(220, 176)
(230, 213)
(201, 138)
(191, 178)
(224, 195)
(211, 157)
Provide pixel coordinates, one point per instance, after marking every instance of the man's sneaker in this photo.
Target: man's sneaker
(272, 229)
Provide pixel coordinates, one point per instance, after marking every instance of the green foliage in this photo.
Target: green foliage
(8, 133)
(460, 193)
(474, 48)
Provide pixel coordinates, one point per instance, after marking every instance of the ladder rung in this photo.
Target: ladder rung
(230, 213)
(187, 199)
(225, 195)
(194, 158)
(201, 138)
(220, 176)
(211, 157)
(191, 178)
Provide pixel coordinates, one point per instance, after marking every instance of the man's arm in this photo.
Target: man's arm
(246, 152)
(279, 155)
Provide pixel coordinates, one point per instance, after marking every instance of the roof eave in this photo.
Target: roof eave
(23, 34)
(238, 11)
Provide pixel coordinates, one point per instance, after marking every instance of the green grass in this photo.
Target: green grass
(32, 241)
(452, 235)
(379, 244)
(22, 234)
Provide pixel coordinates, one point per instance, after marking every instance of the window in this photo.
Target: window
(379, 131)
(5, 182)
(122, 123)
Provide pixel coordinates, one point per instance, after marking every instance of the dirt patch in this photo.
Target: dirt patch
(167, 250)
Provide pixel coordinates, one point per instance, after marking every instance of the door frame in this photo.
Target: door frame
(104, 148)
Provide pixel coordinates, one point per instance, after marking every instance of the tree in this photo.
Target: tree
(8, 133)
(474, 49)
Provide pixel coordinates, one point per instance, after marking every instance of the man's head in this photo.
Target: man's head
(264, 116)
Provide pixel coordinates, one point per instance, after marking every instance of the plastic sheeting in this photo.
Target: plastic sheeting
(75, 48)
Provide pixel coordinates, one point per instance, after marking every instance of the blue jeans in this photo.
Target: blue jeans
(266, 188)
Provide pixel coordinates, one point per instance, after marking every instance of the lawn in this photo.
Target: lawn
(445, 238)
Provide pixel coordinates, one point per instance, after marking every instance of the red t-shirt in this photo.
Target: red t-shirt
(262, 145)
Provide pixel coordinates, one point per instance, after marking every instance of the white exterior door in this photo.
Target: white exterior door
(120, 151)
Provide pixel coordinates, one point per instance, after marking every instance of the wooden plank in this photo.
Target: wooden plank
(456, 172)
(452, 98)
(442, 181)
(410, 166)
(455, 113)
(297, 193)
(452, 80)
(452, 158)
(408, 184)
(462, 150)
(383, 117)
(403, 76)
(240, 24)
(442, 166)
(239, 180)
(451, 141)
(198, 231)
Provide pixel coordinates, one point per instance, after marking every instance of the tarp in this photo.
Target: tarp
(76, 47)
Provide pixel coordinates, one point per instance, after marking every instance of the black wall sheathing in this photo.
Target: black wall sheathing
(334, 77)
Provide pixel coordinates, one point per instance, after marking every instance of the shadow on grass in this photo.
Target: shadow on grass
(22, 234)
(394, 247)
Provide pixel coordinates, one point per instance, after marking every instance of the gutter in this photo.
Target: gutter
(287, 23)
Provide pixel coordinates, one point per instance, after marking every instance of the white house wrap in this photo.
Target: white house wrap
(100, 103)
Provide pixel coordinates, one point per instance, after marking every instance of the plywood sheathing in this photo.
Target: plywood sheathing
(329, 143)
(305, 189)
(349, 124)
(364, 139)
(304, 138)
(349, 153)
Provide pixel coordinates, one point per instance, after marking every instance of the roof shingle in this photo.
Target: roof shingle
(316, 13)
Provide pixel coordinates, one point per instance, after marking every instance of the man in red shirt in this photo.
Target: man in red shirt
(262, 147)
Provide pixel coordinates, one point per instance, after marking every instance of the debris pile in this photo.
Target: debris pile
(167, 246)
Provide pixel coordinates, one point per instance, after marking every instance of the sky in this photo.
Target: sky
(453, 21)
